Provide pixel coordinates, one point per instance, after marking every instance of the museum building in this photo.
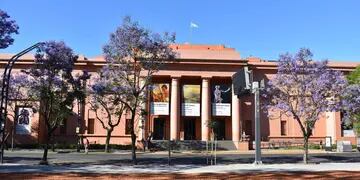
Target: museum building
(183, 98)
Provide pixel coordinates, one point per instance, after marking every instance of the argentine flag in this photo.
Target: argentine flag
(193, 25)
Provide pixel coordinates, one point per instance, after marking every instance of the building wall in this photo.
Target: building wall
(195, 66)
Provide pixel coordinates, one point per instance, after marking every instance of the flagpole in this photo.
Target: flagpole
(192, 25)
(190, 34)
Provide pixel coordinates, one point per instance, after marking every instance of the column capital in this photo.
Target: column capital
(206, 77)
(175, 77)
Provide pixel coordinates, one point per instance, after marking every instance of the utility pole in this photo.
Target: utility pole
(255, 90)
(256, 87)
(244, 85)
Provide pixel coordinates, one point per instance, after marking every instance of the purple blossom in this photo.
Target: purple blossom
(304, 88)
(8, 27)
(351, 100)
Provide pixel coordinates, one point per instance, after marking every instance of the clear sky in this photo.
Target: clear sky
(262, 28)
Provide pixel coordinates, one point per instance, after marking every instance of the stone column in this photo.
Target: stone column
(235, 117)
(174, 111)
(331, 125)
(205, 109)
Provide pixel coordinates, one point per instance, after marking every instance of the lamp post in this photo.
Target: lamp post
(244, 85)
(256, 87)
(5, 93)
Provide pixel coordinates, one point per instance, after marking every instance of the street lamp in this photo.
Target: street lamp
(244, 85)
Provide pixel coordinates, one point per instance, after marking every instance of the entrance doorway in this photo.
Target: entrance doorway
(159, 129)
(189, 129)
(219, 129)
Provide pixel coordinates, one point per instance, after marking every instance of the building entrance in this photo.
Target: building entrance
(219, 129)
(159, 129)
(189, 129)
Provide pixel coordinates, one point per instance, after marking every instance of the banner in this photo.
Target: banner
(191, 100)
(221, 99)
(160, 99)
(24, 118)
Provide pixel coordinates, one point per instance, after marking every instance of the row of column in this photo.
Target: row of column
(205, 111)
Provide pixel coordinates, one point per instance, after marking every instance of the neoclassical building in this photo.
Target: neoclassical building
(185, 96)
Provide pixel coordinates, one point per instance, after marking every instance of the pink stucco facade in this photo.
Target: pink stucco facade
(204, 66)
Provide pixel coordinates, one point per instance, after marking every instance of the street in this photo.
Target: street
(284, 164)
(185, 158)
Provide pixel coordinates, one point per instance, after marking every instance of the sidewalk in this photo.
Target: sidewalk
(182, 169)
(263, 151)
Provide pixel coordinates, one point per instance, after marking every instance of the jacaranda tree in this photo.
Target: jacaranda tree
(351, 100)
(106, 102)
(52, 84)
(133, 55)
(304, 89)
(8, 27)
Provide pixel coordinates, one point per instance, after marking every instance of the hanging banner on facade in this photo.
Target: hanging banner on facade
(160, 99)
(221, 99)
(24, 118)
(191, 100)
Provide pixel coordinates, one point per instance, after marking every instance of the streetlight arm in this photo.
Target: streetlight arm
(5, 92)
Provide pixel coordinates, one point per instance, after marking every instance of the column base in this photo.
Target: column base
(243, 145)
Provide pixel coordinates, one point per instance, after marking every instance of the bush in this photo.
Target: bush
(334, 146)
(314, 146)
(111, 146)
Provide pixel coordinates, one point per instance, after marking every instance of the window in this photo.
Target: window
(128, 126)
(63, 127)
(90, 129)
(283, 128)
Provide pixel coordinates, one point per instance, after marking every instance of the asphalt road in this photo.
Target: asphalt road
(121, 158)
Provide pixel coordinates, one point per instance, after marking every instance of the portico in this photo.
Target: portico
(192, 107)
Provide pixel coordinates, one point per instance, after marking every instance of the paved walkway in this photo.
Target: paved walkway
(182, 169)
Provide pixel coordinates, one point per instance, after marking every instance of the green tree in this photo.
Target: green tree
(354, 77)
(354, 86)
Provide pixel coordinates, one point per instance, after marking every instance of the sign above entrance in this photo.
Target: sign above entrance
(24, 118)
(221, 99)
(191, 100)
(160, 99)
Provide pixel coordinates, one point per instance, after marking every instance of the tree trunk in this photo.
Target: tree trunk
(306, 149)
(107, 142)
(133, 147)
(44, 160)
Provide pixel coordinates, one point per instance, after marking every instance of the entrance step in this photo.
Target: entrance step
(192, 145)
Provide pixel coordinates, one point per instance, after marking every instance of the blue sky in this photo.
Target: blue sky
(262, 28)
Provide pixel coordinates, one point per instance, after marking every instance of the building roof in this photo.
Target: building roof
(200, 54)
(208, 52)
